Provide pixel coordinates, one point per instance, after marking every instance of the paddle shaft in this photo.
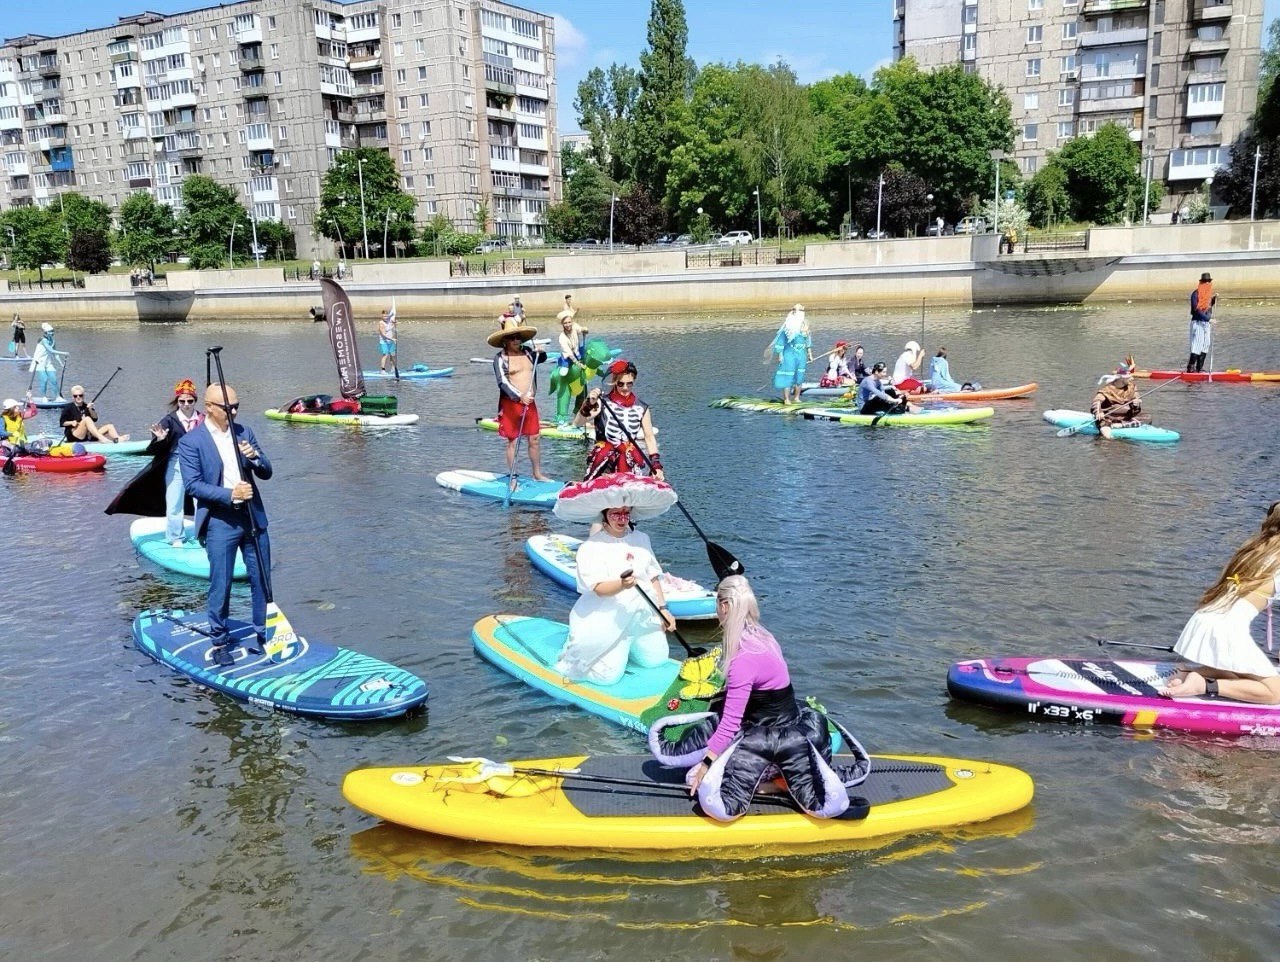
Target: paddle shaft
(675, 631)
(722, 562)
(681, 788)
(511, 468)
(245, 472)
(1135, 644)
(105, 386)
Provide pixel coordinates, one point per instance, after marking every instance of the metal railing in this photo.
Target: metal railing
(46, 285)
(1071, 240)
(741, 256)
(485, 268)
(310, 274)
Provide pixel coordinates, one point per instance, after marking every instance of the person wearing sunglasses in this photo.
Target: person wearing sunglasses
(79, 420)
(620, 419)
(219, 462)
(182, 418)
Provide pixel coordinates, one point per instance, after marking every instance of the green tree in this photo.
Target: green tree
(606, 105)
(666, 77)
(278, 239)
(86, 224)
(339, 217)
(146, 230)
(838, 103)
(212, 222)
(1102, 175)
(1234, 182)
(37, 239)
(1269, 67)
(1047, 196)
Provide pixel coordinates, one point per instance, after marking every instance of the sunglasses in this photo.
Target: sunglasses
(77, 395)
(625, 383)
(186, 400)
(229, 408)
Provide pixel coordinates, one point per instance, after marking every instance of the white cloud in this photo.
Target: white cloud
(571, 43)
(882, 62)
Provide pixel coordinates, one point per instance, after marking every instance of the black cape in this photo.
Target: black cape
(144, 494)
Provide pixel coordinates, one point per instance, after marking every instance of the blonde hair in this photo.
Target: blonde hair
(1252, 567)
(741, 611)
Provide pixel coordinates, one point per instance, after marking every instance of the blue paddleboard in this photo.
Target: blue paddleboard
(147, 535)
(556, 556)
(419, 372)
(1084, 424)
(311, 678)
(486, 484)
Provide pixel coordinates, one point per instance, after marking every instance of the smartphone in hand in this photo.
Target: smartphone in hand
(627, 574)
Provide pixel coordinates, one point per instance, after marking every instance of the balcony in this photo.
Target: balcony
(500, 79)
(124, 56)
(250, 35)
(370, 89)
(53, 92)
(10, 123)
(184, 126)
(248, 64)
(136, 133)
(21, 169)
(50, 70)
(1113, 6)
(23, 192)
(1198, 164)
(1207, 108)
(1214, 45)
(52, 143)
(370, 116)
(1212, 11)
(139, 182)
(365, 61)
(1206, 77)
(499, 113)
(497, 140)
(62, 165)
(42, 168)
(1104, 38)
(1192, 141)
(1114, 70)
(190, 151)
(28, 76)
(259, 139)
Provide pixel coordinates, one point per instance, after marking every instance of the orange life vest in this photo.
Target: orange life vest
(1204, 297)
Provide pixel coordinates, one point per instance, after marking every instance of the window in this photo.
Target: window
(396, 21)
(1068, 65)
(397, 49)
(970, 14)
(292, 213)
(424, 128)
(1029, 164)
(271, 23)
(403, 102)
(424, 100)
(1066, 129)
(420, 46)
(417, 18)
(1070, 30)
(275, 51)
(1206, 93)
(422, 75)
(1202, 128)
(1030, 102)
(1035, 4)
(1066, 96)
(408, 183)
(1033, 67)
(1030, 132)
(406, 156)
(404, 130)
(1035, 34)
(429, 181)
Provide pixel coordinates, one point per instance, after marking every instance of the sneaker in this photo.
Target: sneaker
(177, 543)
(222, 656)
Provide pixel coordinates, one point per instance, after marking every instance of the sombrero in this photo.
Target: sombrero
(584, 500)
(509, 329)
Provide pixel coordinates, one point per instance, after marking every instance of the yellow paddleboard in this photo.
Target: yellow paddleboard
(630, 802)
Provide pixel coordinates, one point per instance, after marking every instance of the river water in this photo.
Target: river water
(145, 818)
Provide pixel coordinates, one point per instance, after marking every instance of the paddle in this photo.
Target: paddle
(511, 466)
(1165, 648)
(722, 562)
(105, 386)
(395, 344)
(692, 652)
(9, 467)
(1076, 428)
(280, 633)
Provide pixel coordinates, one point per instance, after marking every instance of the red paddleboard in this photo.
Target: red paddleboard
(69, 465)
(984, 395)
(1215, 377)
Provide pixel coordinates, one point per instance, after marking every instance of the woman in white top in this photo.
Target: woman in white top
(1225, 660)
(612, 623)
(904, 369)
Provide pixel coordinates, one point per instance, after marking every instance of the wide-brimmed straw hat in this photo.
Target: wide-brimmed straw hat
(511, 329)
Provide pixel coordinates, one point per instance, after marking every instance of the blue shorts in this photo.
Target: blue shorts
(386, 347)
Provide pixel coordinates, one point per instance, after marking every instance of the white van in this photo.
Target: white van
(972, 225)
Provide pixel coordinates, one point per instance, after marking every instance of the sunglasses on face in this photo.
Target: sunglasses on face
(229, 408)
(77, 395)
(626, 383)
(186, 400)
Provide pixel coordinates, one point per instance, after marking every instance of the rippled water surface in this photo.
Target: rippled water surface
(145, 818)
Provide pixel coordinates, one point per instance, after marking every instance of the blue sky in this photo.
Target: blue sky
(819, 38)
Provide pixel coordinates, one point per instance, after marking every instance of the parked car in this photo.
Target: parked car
(665, 239)
(851, 233)
(939, 229)
(683, 240)
(735, 237)
(586, 242)
(494, 244)
(875, 234)
(972, 225)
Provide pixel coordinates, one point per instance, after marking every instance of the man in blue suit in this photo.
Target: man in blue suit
(229, 510)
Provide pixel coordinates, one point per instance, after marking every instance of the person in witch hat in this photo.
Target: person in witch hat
(515, 367)
(1203, 300)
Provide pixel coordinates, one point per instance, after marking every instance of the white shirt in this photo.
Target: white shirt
(902, 369)
(225, 444)
(189, 423)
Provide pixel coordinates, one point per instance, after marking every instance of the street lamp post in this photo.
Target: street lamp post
(364, 222)
(928, 199)
(848, 183)
(759, 222)
(253, 221)
(613, 199)
(879, 202)
(13, 247)
(231, 247)
(386, 222)
(1208, 196)
(1146, 190)
(1253, 202)
(996, 157)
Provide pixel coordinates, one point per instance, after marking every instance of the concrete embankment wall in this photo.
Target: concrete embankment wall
(1119, 263)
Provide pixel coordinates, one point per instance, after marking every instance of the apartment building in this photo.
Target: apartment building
(1180, 75)
(262, 95)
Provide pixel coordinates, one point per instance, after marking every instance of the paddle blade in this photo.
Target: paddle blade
(282, 642)
(9, 467)
(722, 562)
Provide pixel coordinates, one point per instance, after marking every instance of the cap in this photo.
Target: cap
(842, 344)
(47, 327)
(9, 403)
(912, 346)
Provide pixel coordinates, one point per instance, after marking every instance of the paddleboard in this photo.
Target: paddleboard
(906, 793)
(350, 420)
(761, 404)
(47, 403)
(419, 372)
(108, 448)
(1095, 691)
(73, 464)
(930, 417)
(556, 556)
(548, 429)
(552, 356)
(190, 558)
(981, 395)
(485, 484)
(814, 389)
(1229, 376)
(16, 360)
(312, 678)
(1084, 421)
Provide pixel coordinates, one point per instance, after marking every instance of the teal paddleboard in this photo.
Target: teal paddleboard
(1082, 422)
(496, 487)
(189, 558)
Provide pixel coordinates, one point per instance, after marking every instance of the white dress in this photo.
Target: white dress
(1219, 638)
(605, 631)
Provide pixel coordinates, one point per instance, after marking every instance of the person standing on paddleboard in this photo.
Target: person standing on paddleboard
(180, 420)
(1115, 404)
(387, 339)
(229, 510)
(516, 369)
(1224, 659)
(19, 336)
(572, 342)
(794, 347)
(1203, 300)
(45, 362)
(619, 418)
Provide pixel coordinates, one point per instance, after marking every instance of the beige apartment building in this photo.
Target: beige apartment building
(1181, 75)
(263, 95)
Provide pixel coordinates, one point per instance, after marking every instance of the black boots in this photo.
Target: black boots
(1195, 363)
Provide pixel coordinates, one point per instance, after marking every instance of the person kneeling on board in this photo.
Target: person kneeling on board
(876, 396)
(940, 375)
(762, 741)
(1116, 403)
(1224, 659)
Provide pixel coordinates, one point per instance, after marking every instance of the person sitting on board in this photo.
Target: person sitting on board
(572, 343)
(16, 414)
(838, 373)
(79, 420)
(761, 733)
(387, 339)
(1224, 659)
(1203, 300)
(905, 368)
(877, 396)
(1116, 404)
(611, 624)
(940, 375)
(794, 348)
(619, 419)
(859, 364)
(516, 369)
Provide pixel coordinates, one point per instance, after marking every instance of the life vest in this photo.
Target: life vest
(17, 429)
(1204, 297)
